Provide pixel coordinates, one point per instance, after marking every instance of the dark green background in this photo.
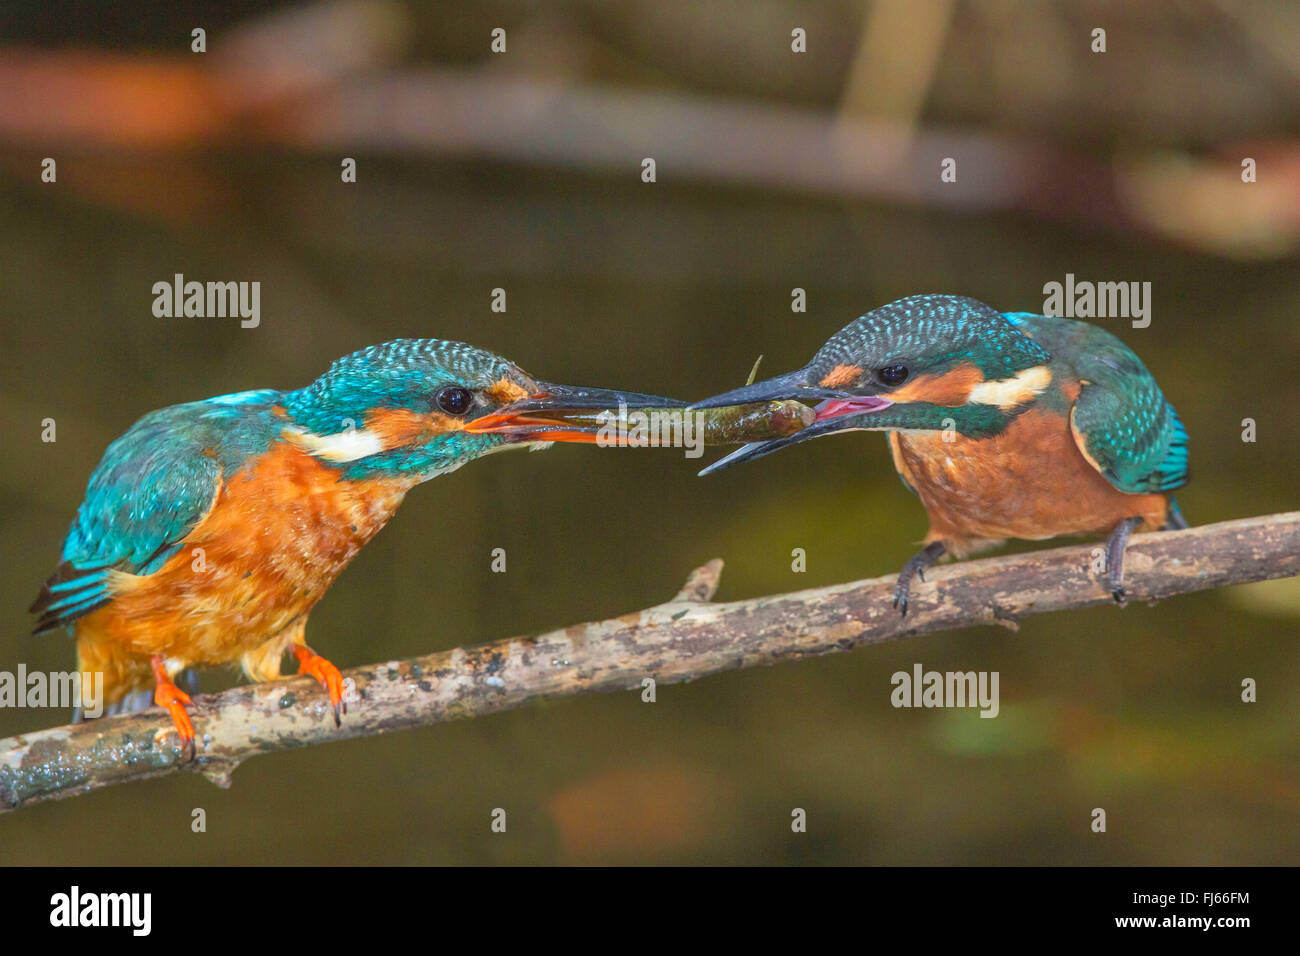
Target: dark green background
(672, 288)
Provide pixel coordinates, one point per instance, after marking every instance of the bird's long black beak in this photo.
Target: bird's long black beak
(796, 385)
(568, 413)
(836, 410)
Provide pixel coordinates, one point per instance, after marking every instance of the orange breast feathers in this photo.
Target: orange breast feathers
(1029, 482)
(278, 533)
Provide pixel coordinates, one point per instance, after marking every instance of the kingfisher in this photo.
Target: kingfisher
(210, 530)
(1004, 424)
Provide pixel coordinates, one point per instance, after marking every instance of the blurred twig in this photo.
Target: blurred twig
(327, 78)
(897, 56)
(686, 638)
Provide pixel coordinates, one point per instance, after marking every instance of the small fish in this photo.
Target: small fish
(726, 425)
(756, 421)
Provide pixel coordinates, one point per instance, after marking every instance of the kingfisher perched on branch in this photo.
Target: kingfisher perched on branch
(1006, 425)
(210, 530)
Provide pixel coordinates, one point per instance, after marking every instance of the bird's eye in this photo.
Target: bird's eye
(892, 375)
(454, 400)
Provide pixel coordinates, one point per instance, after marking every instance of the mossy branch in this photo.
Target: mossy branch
(686, 638)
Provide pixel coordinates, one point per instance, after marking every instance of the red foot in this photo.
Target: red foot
(309, 662)
(173, 699)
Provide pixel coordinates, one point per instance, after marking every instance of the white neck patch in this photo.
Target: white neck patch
(347, 445)
(1010, 392)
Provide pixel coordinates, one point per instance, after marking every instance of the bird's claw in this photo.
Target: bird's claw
(915, 565)
(1115, 546)
(900, 602)
(329, 677)
(900, 594)
(174, 700)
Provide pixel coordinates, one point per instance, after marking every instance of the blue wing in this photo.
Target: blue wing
(153, 485)
(1126, 428)
(1121, 420)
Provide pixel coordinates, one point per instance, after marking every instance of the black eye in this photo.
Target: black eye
(892, 375)
(454, 400)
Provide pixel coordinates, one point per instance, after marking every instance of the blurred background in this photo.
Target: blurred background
(775, 170)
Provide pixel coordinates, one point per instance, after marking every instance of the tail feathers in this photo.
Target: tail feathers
(70, 593)
(1174, 520)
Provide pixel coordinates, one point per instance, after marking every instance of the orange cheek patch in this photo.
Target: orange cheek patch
(399, 426)
(506, 391)
(841, 375)
(952, 388)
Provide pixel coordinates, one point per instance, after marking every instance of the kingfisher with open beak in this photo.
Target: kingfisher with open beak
(210, 530)
(1006, 425)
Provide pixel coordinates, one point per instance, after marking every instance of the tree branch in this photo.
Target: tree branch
(684, 639)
